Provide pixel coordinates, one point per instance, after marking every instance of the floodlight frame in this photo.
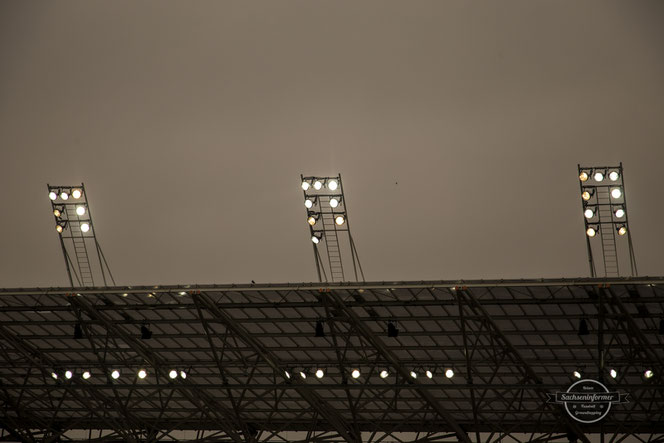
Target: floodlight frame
(603, 221)
(74, 242)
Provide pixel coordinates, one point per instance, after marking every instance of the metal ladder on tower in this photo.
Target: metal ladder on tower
(80, 251)
(607, 233)
(332, 248)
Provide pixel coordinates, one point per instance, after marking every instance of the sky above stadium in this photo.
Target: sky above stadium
(457, 127)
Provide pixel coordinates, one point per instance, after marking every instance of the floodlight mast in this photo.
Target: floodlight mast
(329, 227)
(604, 208)
(73, 223)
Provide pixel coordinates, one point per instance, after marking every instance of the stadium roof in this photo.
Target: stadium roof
(243, 347)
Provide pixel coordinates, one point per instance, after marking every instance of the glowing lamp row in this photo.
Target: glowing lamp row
(332, 185)
(599, 175)
(76, 194)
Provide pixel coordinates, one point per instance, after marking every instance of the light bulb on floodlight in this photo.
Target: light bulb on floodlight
(613, 175)
(287, 374)
(384, 374)
(616, 192)
(334, 202)
(52, 195)
(413, 374)
(622, 230)
(355, 373)
(590, 232)
(598, 176)
(320, 373)
(57, 212)
(429, 374)
(54, 375)
(76, 193)
(86, 375)
(58, 228)
(311, 220)
(613, 372)
(142, 374)
(64, 195)
(80, 210)
(183, 375)
(586, 195)
(449, 373)
(173, 373)
(620, 213)
(589, 213)
(577, 374)
(68, 375)
(305, 185)
(308, 203)
(303, 375)
(315, 239)
(332, 185)
(339, 220)
(115, 374)
(648, 373)
(583, 176)
(318, 185)
(85, 227)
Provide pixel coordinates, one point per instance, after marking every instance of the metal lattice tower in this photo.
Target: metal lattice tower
(605, 219)
(327, 216)
(73, 222)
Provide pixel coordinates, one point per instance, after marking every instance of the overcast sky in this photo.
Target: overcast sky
(190, 122)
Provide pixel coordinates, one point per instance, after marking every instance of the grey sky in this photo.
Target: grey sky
(190, 122)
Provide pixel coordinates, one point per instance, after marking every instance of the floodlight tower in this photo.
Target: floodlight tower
(327, 216)
(605, 216)
(73, 223)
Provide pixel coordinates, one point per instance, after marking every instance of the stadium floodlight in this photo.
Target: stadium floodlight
(591, 232)
(589, 213)
(85, 227)
(614, 176)
(449, 373)
(619, 213)
(68, 375)
(648, 373)
(86, 375)
(613, 372)
(303, 374)
(320, 373)
(80, 211)
(599, 176)
(355, 373)
(329, 229)
(622, 230)
(57, 212)
(287, 374)
(142, 374)
(384, 374)
(429, 374)
(115, 374)
(183, 375)
(173, 374)
(576, 374)
(54, 375)
(413, 374)
(64, 195)
(76, 193)
(60, 227)
(586, 195)
(616, 193)
(583, 176)
(52, 195)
